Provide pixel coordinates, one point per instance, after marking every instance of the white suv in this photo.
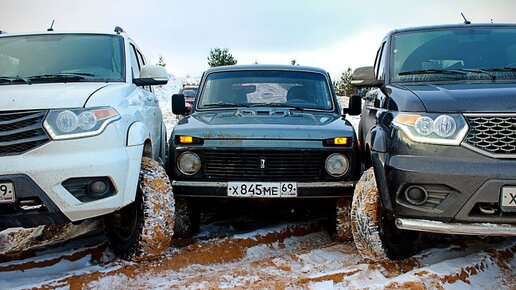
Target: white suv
(82, 136)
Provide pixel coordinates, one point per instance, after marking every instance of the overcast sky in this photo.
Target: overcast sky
(331, 34)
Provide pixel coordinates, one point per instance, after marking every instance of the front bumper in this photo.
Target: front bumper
(304, 189)
(48, 166)
(480, 229)
(460, 183)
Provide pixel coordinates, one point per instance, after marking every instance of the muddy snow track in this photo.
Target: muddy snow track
(280, 255)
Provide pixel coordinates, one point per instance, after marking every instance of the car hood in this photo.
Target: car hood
(46, 96)
(277, 124)
(495, 97)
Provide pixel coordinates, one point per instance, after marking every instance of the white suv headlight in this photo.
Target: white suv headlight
(432, 128)
(78, 123)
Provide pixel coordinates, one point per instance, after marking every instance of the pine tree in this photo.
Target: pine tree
(161, 61)
(220, 57)
(343, 86)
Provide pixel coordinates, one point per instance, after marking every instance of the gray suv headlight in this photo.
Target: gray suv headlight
(432, 128)
(78, 123)
(189, 163)
(336, 164)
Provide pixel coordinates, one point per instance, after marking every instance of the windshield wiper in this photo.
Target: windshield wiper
(12, 80)
(225, 104)
(432, 71)
(280, 105)
(504, 68)
(478, 71)
(61, 76)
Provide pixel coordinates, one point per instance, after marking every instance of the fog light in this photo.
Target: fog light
(337, 165)
(98, 188)
(416, 195)
(189, 163)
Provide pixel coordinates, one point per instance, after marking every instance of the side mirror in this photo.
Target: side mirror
(354, 106)
(151, 75)
(363, 77)
(178, 104)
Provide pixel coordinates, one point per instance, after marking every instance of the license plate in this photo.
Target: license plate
(6, 193)
(262, 189)
(508, 197)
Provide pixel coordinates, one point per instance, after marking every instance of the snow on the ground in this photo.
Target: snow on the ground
(282, 255)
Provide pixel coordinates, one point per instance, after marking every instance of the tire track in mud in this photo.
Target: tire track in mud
(223, 251)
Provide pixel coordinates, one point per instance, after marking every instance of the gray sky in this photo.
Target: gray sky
(331, 34)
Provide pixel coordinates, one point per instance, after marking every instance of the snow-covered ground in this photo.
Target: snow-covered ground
(246, 253)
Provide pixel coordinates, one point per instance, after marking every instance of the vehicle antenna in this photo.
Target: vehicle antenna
(51, 26)
(465, 20)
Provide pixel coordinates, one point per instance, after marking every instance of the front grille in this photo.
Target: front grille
(493, 134)
(244, 165)
(21, 131)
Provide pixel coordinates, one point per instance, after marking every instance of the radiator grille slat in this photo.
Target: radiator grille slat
(244, 165)
(493, 134)
(21, 131)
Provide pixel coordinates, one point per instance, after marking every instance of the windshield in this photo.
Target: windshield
(461, 53)
(61, 57)
(302, 90)
(189, 92)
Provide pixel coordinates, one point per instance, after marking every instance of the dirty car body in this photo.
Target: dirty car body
(439, 128)
(264, 131)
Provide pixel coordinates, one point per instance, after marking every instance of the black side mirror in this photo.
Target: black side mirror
(354, 106)
(178, 104)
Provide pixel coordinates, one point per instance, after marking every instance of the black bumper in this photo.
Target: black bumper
(458, 181)
(32, 206)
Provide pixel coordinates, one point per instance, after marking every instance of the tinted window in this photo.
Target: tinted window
(96, 57)
(453, 49)
(302, 89)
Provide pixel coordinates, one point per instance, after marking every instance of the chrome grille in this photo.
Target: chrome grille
(493, 134)
(21, 131)
(246, 165)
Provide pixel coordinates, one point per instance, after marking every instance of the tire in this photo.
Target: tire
(375, 234)
(143, 230)
(341, 221)
(187, 219)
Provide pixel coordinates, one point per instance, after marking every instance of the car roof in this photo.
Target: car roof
(251, 67)
(446, 26)
(5, 34)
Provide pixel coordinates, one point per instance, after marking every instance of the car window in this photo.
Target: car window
(135, 67)
(301, 89)
(91, 56)
(419, 55)
(380, 73)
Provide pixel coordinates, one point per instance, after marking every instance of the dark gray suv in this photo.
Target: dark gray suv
(270, 132)
(438, 132)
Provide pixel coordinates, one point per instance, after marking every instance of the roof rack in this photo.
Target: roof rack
(119, 30)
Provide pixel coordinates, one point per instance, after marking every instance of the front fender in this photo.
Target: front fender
(137, 134)
(377, 140)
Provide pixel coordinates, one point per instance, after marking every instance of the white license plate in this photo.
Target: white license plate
(262, 189)
(6, 193)
(508, 198)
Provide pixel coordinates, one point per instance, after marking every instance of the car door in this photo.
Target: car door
(150, 111)
(373, 99)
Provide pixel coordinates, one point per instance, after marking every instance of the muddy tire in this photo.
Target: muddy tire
(187, 218)
(375, 235)
(143, 230)
(341, 221)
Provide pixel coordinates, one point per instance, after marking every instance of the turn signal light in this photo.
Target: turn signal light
(338, 141)
(188, 140)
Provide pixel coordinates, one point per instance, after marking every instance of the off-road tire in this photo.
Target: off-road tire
(187, 218)
(341, 223)
(143, 230)
(375, 235)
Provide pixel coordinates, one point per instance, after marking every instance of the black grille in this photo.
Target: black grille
(246, 165)
(21, 131)
(493, 134)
